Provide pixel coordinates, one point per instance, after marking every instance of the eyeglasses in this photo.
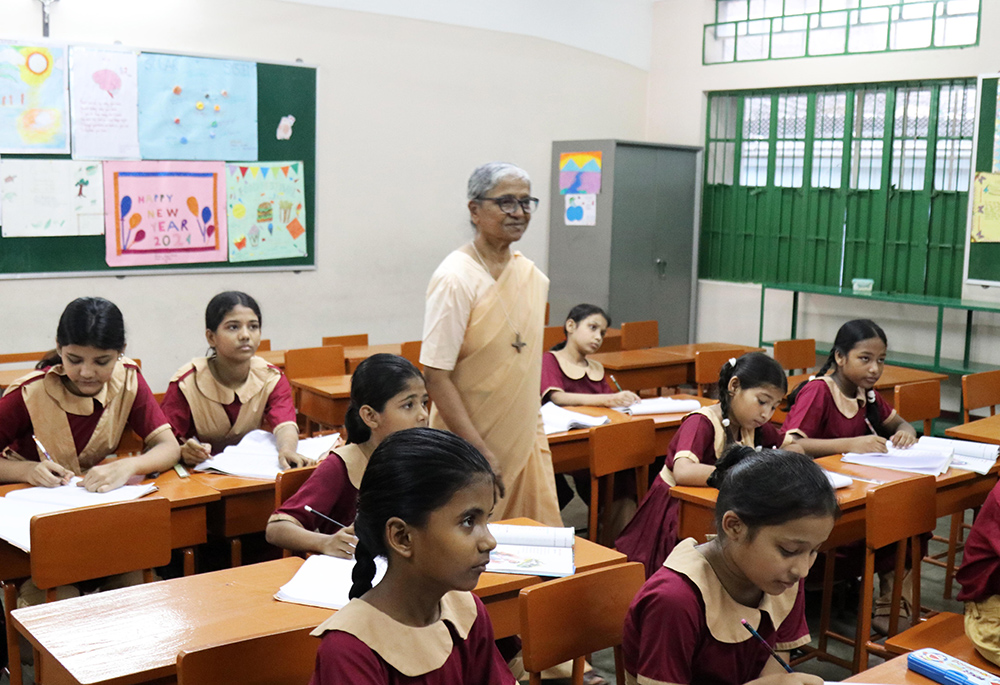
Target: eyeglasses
(508, 203)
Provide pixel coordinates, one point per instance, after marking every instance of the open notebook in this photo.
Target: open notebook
(324, 581)
(556, 419)
(661, 405)
(18, 506)
(532, 550)
(931, 456)
(256, 455)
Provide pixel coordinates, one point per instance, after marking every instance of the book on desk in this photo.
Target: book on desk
(256, 455)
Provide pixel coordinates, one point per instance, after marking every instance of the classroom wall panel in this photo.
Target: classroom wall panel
(407, 109)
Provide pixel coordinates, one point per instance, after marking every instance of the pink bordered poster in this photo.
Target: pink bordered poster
(165, 213)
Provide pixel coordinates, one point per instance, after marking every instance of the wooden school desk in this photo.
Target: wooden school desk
(658, 367)
(325, 399)
(886, 384)
(957, 490)
(243, 507)
(571, 450)
(8, 376)
(353, 354)
(980, 430)
(133, 635)
(892, 672)
(273, 357)
(947, 635)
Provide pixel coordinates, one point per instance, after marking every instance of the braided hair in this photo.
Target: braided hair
(849, 335)
(753, 370)
(377, 380)
(411, 473)
(770, 487)
(577, 314)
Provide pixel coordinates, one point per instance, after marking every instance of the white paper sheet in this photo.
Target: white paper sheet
(104, 103)
(661, 405)
(555, 419)
(324, 581)
(51, 198)
(256, 455)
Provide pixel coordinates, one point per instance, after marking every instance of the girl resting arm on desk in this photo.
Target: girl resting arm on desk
(569, 379)
(773, 512)
(423, 506)
(750, 389)
(213, 401)
(77, 404)
(841, 412)
(387, 395)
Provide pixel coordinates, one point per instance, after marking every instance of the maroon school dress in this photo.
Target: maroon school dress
(980, 571)
(652, 533)
(823, 412)
(332, 489)
(363, 646)
(557, 376)
(684, 627)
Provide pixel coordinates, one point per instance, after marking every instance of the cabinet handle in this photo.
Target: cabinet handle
(661, 267)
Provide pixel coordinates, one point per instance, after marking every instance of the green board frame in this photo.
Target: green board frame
(984, 258)
(282, 89)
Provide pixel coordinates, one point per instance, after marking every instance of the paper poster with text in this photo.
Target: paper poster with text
(165, 213)
(104, 103)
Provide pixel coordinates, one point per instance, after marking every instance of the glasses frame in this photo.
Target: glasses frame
(528, 204)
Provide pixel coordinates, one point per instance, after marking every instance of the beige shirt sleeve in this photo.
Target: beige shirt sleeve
(451, 295)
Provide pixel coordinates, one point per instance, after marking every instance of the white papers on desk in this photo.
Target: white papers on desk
(324, 581)
(532, 550)
(256, 455)
(838, 480)
(932, 462)
(661, 405)
(17, 508)
(556, 419)
(971, 456)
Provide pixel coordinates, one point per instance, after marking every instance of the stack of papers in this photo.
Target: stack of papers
(838, 480)
(556, 419)
(532, 550)
(661, 405)
(912, 459)
(324, 581)
(256, 455)
(17, 508)
(971, 456)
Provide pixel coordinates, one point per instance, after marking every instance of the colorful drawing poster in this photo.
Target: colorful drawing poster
(197, 108)
(34, 99)
(986, 208)
(581, 210)
(164, 212)
(51, 198)
(267, 213)
(580, 172)
(104, 103)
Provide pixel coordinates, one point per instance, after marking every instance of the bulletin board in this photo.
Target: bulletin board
(282, 90)
(983, 258)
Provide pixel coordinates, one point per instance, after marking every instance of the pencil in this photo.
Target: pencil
(324, 516)
(764, 642)
(612, 377)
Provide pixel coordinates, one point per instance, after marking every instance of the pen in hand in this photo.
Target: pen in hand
(324, 516)
(48, 457)
(612, 377)
(769, 648)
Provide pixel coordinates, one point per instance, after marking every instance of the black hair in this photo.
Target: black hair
(377, 380)
(578, 314)
(849, 335)
(223, 303)
(770, 487)
(411, 473)
(89, 322)
(753, 369)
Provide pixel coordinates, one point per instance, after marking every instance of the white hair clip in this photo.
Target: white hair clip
(871, 395)
(725, 423)
(812, 378)
(758, 448)
(732, 361)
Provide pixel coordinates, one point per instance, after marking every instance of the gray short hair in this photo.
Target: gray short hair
(487, 176)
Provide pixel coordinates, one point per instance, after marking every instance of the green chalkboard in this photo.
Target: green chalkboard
(984, 258)
(281, 90)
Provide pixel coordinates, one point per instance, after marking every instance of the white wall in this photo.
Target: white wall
(677, 85)
(407, 109)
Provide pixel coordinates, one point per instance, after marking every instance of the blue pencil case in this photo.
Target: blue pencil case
(948, 670)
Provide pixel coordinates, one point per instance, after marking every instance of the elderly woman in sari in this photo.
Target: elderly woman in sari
(482, 348)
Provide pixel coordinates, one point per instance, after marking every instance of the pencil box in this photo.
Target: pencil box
(948, 670)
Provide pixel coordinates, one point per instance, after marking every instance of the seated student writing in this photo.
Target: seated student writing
(774, 510)
(77, 403)
(980, 580)
(568, 377)
(750, 388)
(424, 503)
(214, 401)
(841, 412)
(387, 395)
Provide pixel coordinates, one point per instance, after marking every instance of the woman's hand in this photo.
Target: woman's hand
(626, 398)
(108, 477)
(194, 452)
(293, 460)
(867, 444)
(49, 474)
(341, 544)
(903, 439)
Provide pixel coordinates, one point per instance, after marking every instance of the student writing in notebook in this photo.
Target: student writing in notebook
(78, 403)
(750, 389)
(387, 395)
(774, 510)
(214, 401)
(980, 579)
(424, 504)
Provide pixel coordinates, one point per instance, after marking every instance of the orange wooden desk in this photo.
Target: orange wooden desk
(980, 430)
(273, 357)
(637, 370)
(947, 636)
(324, 399)
(892, 672)
(571, 451)
(243, 507)
(886, 385)
(8, 376)
(353, 354)
(133, 635)
(957, 490)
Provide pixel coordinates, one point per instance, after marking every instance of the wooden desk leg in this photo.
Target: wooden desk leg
(824, 621)
(13, 640)
(189, 561)
(235, 552)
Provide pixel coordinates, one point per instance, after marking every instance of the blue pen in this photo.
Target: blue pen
(764, 642)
